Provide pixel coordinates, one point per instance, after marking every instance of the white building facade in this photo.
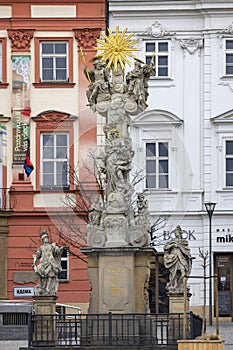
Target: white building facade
(184, 140)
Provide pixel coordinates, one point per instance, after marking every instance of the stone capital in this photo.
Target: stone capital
(20, 39)
(87, 37)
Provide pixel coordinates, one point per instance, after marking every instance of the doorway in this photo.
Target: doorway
(158, 299)
(223, 268)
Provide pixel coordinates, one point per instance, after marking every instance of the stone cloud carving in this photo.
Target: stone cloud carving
(116, 96)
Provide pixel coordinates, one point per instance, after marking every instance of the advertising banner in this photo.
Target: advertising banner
(20, 106)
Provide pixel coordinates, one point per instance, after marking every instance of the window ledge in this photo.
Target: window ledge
(160, 78)
(227, 77)
(225, 189)
(161, 82)
(3, 85)
(54, 188)
(159, 190)
(53, 85)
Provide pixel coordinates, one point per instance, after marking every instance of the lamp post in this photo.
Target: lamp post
(210, 209)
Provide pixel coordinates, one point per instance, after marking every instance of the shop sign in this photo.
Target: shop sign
(225, 239)
(224, 235)
(23, 292)
(160, 238)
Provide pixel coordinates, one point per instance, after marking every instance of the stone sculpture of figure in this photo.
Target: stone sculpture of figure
(143, 213)
(137, 83)
(99, 88)
(178, 260)
(118, 162)
(47, 270)
(95, 212)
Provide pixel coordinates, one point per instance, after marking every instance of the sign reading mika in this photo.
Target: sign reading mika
(116, 96)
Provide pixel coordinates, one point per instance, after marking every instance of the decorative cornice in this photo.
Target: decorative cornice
(54, 119)
(156, 31)
(87, 37)
(157, 117)
(224, 118)
(20, 39)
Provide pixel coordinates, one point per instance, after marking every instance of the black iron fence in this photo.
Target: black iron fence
(116, 330)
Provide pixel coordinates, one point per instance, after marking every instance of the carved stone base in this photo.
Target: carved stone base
(119, 279)
(176, 302)
(44, 328)
(177, 305)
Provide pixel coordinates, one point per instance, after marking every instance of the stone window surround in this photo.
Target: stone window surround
(37, 83)
(167, 54)
(225, 51)
(3, 79)
(54, 121)
(55, 161)
(157, 158)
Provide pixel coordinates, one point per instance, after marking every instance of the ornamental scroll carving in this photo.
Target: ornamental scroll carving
(156, 30)
(87, 37)
(53, 119)
(191, 44)
(20, 39)
(227, 30)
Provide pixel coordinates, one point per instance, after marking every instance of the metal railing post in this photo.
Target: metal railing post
(110, 328)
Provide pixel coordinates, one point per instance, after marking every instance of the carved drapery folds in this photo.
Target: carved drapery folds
(87, 37)
(20, 39)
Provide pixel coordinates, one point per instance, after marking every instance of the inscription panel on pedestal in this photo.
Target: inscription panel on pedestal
(117, 286)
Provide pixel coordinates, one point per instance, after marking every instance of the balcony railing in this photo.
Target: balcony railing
(7, 199)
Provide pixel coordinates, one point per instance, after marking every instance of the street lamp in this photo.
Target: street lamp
(210, 209)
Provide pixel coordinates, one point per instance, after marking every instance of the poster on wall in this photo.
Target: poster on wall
(20, 106)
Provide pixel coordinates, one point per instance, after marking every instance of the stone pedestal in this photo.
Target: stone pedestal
(44, 327)
(177, 305)
(119, 278)
(176, 302)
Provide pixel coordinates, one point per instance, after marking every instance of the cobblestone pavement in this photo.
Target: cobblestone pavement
(12, 345)
(225, 331)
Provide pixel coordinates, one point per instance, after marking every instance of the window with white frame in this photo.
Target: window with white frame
(63, 275)
(54, 160)
(228, 52)
(54, 61)
(159, 53)
(157, 165)
(229, 163)
(0, 61)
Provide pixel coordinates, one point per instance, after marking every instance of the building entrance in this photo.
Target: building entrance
(159, 302)
(224, 271)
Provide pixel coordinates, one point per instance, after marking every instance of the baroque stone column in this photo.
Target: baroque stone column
(118, 234)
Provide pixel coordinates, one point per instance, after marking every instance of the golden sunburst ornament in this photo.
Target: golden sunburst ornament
(116, 48)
